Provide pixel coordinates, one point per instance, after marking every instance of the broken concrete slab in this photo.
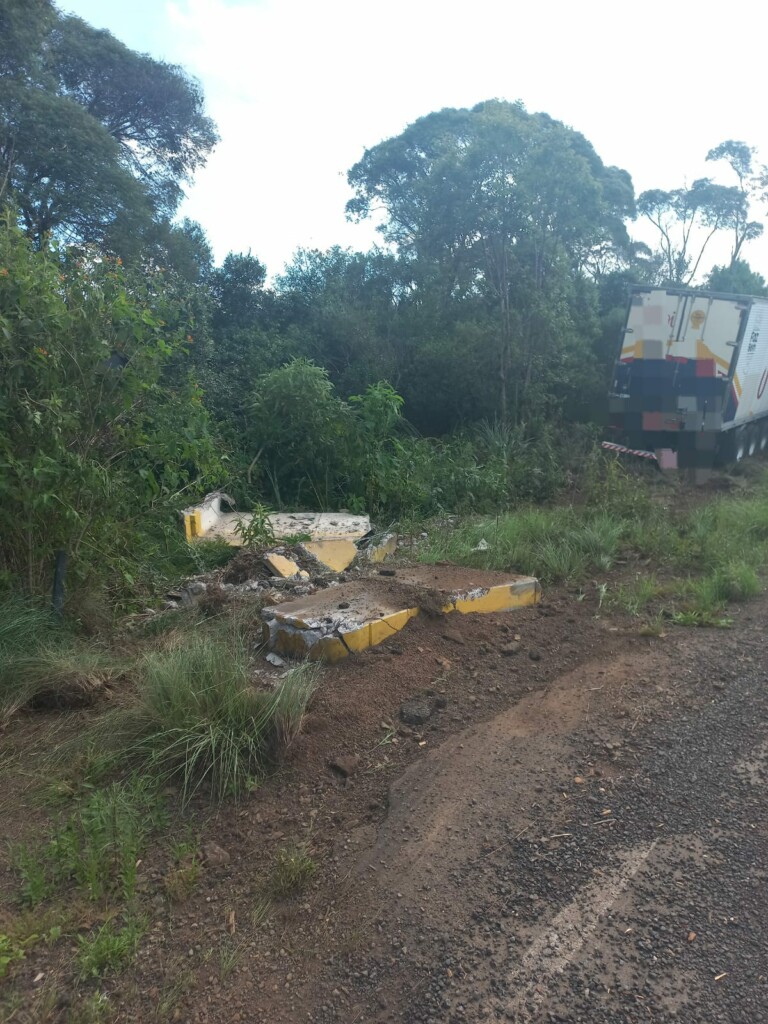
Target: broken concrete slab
(316, 628)
(320, 525)
(279, 565)
(335, 555)
(209, 521)
(333, 623)
(382, 549)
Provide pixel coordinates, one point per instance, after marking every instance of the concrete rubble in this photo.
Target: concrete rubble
(209, 521)
(323, 593)
(333, 623)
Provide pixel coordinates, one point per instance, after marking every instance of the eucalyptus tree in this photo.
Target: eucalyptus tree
(500, 210)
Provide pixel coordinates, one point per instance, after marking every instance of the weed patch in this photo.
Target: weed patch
(97, 848)
(230, 955)
(292, 870)
(110, 948)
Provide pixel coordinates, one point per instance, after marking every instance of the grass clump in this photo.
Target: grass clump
(43, 664)
(184, 874)
(93, 1009)
(635, 596)
(198, 719)
(292, 870)
(110, 948)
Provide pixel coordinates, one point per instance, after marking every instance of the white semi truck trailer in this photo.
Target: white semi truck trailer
(690, 384)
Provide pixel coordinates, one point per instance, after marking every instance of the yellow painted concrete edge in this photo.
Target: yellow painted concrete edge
(500, 598)
(193, 525)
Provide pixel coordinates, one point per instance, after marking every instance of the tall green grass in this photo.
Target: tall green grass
(710, 555)
(556, 545)
(41, 660)
(197, 718)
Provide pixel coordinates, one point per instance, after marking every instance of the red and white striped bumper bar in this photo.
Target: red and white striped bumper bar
(629, 451)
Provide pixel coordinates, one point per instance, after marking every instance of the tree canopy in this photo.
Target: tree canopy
(95, 140)
(498, 208)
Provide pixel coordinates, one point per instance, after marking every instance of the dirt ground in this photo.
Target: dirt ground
(577, 832)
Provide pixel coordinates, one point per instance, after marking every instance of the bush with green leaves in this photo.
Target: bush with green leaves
(100, 420)
(314, 449)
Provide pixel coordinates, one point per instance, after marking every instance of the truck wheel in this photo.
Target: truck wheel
(752, 440)
(740, 447)
(763, 437)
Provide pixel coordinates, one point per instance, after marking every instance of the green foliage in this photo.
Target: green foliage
(97, 848)
(11, 951)
(340, 308)
(40, 660)
(36, 879)
(91, 1009)
(680, 215)
(181, 881)
(710, 557)
(256, 531)
(230, 955)
(555, 545)
(495, 208)
(299, 426)
(110, 948)
(22, 625)
(184, 874)
(198, 719)
(95, 139)
(292, 870)
(361, 454)
(634, 597)
(99, 420)
(738, 279)
(211, 554)
(25, 931)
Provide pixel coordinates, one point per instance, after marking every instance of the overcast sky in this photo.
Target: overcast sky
(299, 88)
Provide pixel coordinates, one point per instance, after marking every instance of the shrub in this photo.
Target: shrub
(99, 417)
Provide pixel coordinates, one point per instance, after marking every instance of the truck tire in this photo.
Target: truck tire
(753, 438)
(739, 445)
